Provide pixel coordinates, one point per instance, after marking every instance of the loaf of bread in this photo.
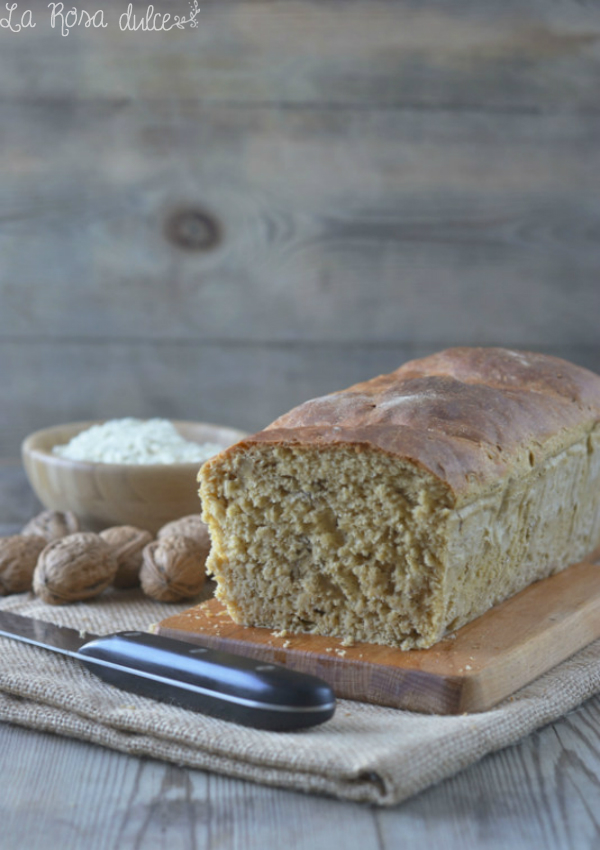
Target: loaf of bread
(403, 507)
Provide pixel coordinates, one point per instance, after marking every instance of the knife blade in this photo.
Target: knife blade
(221, 684)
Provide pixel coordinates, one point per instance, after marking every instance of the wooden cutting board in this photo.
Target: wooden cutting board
(482, 663)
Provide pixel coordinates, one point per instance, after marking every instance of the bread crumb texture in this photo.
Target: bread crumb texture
(402, 508)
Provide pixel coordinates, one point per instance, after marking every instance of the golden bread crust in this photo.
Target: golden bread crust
(470, 416)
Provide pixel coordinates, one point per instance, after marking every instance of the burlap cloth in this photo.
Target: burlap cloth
(368, 753)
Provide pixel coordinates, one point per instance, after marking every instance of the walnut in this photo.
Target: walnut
(127, 543)
(173, 568)
(78, 566)
(188, 526)
(52, 525)
(18, 557)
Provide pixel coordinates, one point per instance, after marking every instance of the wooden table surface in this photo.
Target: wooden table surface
(542, 793)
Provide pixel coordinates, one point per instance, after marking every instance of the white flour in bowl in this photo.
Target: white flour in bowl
(135, 441)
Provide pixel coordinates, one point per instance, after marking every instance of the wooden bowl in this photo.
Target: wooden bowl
(105, 494)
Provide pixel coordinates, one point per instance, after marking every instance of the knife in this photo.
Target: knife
(232, 687)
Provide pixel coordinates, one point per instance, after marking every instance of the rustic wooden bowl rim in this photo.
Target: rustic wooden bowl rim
(31, 447)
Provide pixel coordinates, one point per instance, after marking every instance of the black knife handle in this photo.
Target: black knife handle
(232, 687)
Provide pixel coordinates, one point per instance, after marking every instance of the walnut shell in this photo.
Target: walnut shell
(127, 543)
(52, 525)
(188, 526)
(18, 557)
(78, 566)
(173, 568)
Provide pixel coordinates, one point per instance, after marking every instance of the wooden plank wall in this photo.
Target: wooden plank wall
(220, 222)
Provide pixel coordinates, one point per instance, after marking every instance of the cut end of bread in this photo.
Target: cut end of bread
(335, 542)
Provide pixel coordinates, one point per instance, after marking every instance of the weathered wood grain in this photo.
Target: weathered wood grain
(531, 795)
(541, 792)
(517, 56)
(389, 174)
(235, 384)
(121, 802)
(382, 226)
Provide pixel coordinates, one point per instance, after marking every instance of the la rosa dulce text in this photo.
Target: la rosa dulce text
(64, 18)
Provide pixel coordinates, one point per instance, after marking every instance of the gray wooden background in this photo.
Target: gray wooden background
(221, 222)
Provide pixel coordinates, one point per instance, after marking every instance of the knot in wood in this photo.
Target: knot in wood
(193, 230)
